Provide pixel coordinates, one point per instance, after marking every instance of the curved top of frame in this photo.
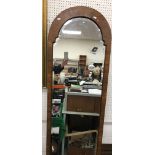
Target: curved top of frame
(80, 11)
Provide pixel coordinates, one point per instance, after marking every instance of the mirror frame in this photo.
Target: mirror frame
(99, 19)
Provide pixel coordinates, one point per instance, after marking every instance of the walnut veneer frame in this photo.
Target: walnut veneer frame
(99, 19)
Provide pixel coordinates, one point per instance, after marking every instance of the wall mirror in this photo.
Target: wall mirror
(79, 45)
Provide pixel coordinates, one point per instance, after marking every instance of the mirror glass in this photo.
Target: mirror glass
(78, 59)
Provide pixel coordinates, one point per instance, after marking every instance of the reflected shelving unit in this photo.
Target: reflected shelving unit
(81, 123)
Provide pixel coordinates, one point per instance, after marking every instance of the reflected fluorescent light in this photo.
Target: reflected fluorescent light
(71, 32)
(68, 22)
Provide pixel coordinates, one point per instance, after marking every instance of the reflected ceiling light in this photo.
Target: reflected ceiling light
(69, 21)
(71, 32)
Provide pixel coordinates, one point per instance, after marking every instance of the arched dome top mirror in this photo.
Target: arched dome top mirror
(80, 36)
(80, 28)
(85, 36)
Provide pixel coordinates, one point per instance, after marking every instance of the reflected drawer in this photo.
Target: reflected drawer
(79, 151)
(83, 103)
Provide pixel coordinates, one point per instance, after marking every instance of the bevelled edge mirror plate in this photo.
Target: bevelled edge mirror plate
(80, 44)
(71, 27)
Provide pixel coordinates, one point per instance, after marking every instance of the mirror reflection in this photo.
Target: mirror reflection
(78, 59)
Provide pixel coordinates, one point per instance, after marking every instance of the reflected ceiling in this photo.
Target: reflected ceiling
(80, 28)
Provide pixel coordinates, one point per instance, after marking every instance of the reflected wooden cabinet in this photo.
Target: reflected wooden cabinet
(77, 151)
(82, 60)
(83, 103)
(82, 114)
(81, 118)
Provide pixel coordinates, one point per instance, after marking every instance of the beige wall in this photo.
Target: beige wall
(76, 47)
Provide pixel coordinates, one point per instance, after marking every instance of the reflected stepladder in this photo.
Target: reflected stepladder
(78, 62)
